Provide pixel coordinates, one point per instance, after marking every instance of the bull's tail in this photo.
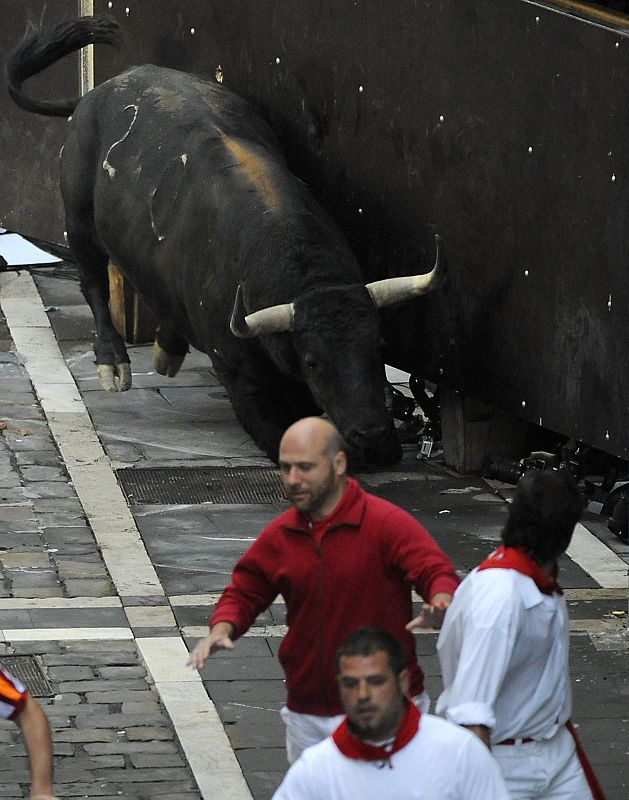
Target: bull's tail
(40, 49)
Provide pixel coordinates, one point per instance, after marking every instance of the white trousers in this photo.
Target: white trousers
(545, 770)
(304, 730)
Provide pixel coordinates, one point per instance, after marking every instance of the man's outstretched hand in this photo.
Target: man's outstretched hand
(219, 638)
(432, 613)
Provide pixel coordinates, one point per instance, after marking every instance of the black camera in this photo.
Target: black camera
(509, 471)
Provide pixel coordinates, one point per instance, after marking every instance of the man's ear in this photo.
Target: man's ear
(340, 463)
(403, 681)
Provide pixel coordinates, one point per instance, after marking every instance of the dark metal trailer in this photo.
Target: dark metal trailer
(499, 124)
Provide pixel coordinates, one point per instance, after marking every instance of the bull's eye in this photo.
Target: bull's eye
(310, 363)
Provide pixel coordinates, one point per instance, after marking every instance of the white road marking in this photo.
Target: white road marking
(597, 559)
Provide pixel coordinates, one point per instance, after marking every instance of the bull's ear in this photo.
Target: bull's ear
(395, 290)
(274, 319)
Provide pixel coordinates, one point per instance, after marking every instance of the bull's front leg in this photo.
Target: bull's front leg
(262, 407)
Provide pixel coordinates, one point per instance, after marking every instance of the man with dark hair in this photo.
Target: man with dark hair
(341, 558)
(386, 749)
(504, 648)
(17, 704)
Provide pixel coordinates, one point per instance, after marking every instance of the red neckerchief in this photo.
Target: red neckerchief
(518, 559)
(351, 747)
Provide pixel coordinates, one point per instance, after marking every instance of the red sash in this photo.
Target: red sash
(351, 747)
(518, 559)
(590, 775)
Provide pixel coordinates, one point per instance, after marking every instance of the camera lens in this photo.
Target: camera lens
(503, 469)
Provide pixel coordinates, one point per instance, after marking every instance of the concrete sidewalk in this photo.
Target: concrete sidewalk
(107, 595)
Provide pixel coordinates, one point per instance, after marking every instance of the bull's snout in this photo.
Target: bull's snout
(375, 444)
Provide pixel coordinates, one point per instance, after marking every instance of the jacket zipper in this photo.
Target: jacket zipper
(322, 659)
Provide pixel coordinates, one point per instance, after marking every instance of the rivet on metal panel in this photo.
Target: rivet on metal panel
(110, 5)
(361, 88)
(537, 20)
(523, 403)
(613, 178)
(540, 422)
(617, 44)
(526, 273)
(192, 31)
(127, 11)
(441, 370)
(219, 74)
(607, 435)
(360, 211)
(609, 303)
(441, 118)
(530, 149)
(70, 118)
(278, 60)
(65, 237)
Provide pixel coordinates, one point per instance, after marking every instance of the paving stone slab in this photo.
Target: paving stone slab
(249, 668)
(38, 490)
(108, 748)
(99, 658)
(154, 760)
(21, 542)
(10, 495)
(101, 686)
(46, 458)
(37, 473)
(32, 579)
(148, 733)
(120, 720)
(263, 783)
(46, 593)
(79, 570)
(55, 506)
(93, 587)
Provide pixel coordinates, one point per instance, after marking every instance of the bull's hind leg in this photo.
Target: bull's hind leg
(169, 350)
(112, 361)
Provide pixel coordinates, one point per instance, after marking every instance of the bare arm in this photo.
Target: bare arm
(482, 731)
(36, 732)
(220, 638)
(432, 613)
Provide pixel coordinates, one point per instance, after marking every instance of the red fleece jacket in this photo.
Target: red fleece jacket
(370, 555)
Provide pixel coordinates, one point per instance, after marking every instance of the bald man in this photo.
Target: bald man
(341, 558)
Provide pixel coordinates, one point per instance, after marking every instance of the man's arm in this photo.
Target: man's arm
(411, 549)
(36, 732)
(220, 638)
(250, 592)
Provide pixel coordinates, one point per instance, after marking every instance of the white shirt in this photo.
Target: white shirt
(441, 762)
(503, 649)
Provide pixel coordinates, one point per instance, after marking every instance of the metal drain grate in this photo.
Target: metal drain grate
(184, 485)
(27, 670)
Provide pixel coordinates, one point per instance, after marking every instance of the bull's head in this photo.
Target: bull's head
(336, 334)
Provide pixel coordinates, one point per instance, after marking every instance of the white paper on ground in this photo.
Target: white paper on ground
(17, 252)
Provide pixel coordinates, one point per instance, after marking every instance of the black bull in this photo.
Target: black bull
(181, 185)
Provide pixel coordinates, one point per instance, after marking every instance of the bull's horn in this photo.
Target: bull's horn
(275, 319)
(394, 290)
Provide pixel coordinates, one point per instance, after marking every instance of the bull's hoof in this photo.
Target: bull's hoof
(114, 379)
(165, 363)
